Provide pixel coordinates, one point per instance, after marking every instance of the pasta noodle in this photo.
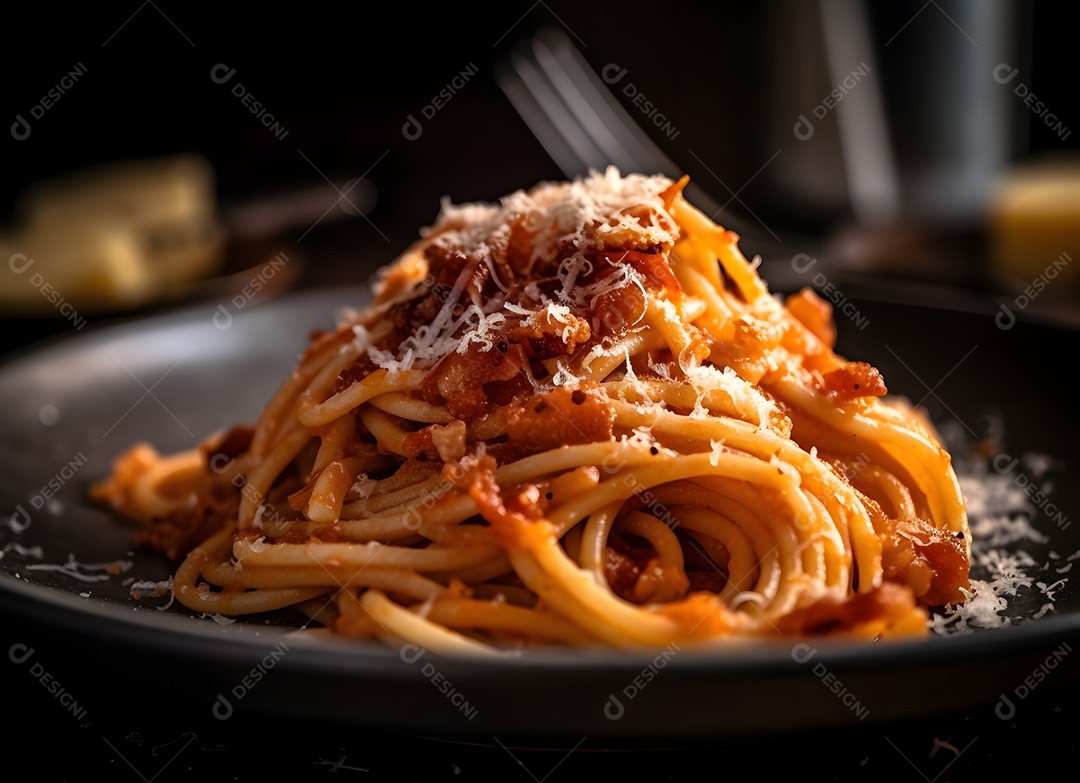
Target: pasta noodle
(573, 417)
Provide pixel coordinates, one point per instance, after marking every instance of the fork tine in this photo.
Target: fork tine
(598, 113)
(583, 125)
(572, 84)
(542, 110)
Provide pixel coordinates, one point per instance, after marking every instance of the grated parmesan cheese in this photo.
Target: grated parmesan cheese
(84, 572)
(1005, 573)
(588, 213)
(564, 222)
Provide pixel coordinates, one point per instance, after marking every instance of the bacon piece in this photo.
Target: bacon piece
(853, 380)
(354, 373)
(619, 309)
(564, 416)
(515, 522)
(234, 442)
(933, 562)
(178, 533)
(458, 380)
(653, 268)
(888, 607)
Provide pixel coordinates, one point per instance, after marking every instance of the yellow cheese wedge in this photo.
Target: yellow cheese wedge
(115, 236)
(1034, 228)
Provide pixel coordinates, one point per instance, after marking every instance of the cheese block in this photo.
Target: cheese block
(111, 237)
(1034, 228)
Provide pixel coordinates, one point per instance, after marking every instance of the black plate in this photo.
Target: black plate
(68, 408)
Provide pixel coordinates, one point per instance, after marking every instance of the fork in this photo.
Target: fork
(583, 126)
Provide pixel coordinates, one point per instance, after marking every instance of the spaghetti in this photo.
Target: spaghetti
(574, 417)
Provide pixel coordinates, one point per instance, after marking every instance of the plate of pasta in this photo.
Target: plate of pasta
(568, 466)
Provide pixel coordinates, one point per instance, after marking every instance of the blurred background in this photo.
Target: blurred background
(877, 137)
(307, 148)
(161, 154)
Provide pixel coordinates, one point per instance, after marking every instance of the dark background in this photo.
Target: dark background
(731, 77)
(343, 80)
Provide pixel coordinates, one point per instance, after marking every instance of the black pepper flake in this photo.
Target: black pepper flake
(856, 386)
(577, 397)
(653, 450)
(549, 495)
(503, 347)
